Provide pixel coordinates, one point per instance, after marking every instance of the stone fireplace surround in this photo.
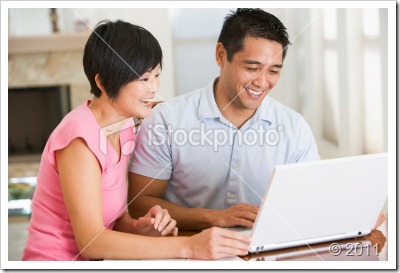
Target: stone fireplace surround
(45, 61)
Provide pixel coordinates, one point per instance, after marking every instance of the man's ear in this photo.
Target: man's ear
(99, 83)
(220, 55)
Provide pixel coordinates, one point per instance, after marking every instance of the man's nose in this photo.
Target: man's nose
(261, 81)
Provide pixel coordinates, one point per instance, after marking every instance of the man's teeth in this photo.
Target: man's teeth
(147, 101)
(255, 93)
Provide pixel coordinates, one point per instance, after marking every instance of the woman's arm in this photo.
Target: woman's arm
(80, 177)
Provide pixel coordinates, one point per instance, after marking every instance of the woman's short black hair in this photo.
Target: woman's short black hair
(251, 22)
(119, 52)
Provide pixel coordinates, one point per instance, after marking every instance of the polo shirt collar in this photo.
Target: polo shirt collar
(208, 107)
(264, 111)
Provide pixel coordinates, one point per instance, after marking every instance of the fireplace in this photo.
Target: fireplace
(33, 113)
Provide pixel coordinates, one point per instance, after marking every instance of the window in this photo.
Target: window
(194, 46)
(351, 94)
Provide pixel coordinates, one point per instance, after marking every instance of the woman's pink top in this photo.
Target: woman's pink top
(50, 231)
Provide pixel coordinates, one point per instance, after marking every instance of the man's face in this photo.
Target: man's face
(251, 74)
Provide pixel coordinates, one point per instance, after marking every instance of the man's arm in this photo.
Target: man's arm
(145, 192)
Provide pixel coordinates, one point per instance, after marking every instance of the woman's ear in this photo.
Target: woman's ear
(220, 55)
(99, 83)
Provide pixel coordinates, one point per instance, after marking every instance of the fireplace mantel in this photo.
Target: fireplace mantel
(48, 43)
(49, 61)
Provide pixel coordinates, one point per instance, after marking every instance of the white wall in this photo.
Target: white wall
(195, 40)
(20, 22)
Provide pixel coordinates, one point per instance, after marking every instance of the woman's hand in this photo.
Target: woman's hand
(157, 222)
(217, 243)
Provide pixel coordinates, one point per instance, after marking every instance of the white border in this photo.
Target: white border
(392, 145)
(390, 264)
(199, 4)
(4, 135)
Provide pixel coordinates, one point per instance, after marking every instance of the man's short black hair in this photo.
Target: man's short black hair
(255, 23)
(119, 52)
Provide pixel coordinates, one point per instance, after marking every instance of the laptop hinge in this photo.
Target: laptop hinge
(356, 234)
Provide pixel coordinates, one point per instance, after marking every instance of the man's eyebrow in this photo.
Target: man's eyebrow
(257, 62)
(251, 62)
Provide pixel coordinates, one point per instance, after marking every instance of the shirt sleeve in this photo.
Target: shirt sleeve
(306, 147)
(152, 154)
(72, 129)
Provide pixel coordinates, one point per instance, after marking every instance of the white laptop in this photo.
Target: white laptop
(356, 249)
(320, 201)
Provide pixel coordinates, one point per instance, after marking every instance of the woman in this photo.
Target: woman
(79, 206)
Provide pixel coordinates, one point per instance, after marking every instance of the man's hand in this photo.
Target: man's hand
(242, 214)
(157, 222)
(379, 221)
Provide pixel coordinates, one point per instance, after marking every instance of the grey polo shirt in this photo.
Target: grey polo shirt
(208, 162)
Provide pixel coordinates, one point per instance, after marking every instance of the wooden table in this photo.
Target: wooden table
(372, 247)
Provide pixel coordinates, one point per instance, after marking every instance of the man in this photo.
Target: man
(207, 156)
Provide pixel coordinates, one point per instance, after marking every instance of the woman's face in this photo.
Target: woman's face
(136, 98)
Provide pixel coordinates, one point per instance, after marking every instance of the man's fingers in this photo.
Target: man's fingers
(241, 218)
(245, 211)
(245, 215)
(247, 207)
(241, 222)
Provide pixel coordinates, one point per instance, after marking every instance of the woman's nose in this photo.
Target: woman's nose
(153, 85)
